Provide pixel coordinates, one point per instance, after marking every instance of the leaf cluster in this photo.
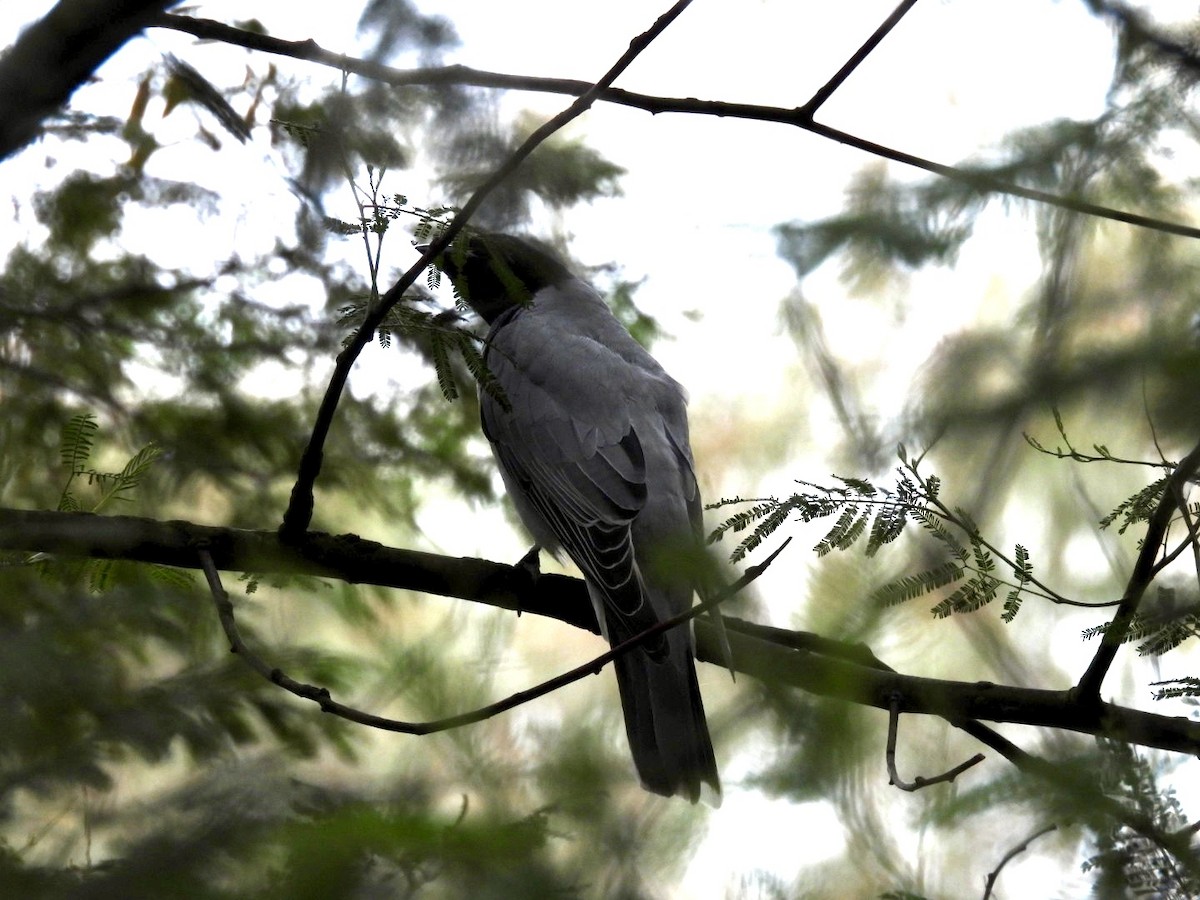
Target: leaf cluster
(78, 438)
(1162, 627)
(1126, 859)
(881, 515)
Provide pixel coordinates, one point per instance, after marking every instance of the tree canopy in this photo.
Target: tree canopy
(240, 413)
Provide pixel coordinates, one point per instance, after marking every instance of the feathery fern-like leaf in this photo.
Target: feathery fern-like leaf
(1138, 507)
(1188, 686)
(1023, 572)
(743, 520)
(761, 533)
(976, 593)
(858, 485)
(1170, 635)
(131, 476)
(909, 587)
(479, 370)
(888, 525)
(983, 557)
(932, 523)
(441, 365)
(845, 531)
(78, 436)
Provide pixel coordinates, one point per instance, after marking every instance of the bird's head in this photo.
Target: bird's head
(494, 272)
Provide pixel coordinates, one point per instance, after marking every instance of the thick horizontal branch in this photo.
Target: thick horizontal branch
(345, 557)
(955, 701)
(812, 663)
(799, 117)
(55, 55)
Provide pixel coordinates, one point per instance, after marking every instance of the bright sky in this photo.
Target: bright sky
(695, 218)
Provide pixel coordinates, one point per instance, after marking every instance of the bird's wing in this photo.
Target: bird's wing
(569, 442)
(593, 446)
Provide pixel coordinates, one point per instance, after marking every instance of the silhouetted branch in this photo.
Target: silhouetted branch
(54, 56)
(300, 507)
(799, 117)
(1144, 570)
(814, 664)
(322, 697)
(920, 781)
(1015, 851)
(828, 89)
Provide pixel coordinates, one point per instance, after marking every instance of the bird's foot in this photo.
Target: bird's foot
(529, 568)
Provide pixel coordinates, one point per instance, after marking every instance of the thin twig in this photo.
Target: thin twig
(940, 509)
(828, 88)
(300, 506)
(919, 782)
(978, 178)
(1193, 528)
(1015, 851)
(322, 697)
(1144, 570)
(826, 668)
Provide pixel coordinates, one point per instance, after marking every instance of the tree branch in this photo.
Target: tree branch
(345, 557)
(955, 701)
(1020, 848)
(828, 89)
(300, 507)
(322, 697)
(809, 662)
(800, 117)
(1144, 570)
(920, 781)
(54, 56)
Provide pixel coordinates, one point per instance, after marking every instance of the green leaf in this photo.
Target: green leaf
(973, 595)
(848, 528)
(1138, 507)
(77, 438)
(1023, 572)
(909, 587)
(480, 372)
(888, 525)
(441, 365)
(743, 520)
(764, 529)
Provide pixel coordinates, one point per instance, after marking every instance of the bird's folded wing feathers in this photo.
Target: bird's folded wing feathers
(570, 442)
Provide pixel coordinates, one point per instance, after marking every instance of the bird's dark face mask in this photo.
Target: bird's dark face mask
(494, 273)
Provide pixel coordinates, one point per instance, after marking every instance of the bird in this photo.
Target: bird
(590, 435)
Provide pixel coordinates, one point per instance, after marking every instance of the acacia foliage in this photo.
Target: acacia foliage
(115, 677)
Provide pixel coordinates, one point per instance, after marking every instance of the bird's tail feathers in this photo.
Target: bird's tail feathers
(665, 721)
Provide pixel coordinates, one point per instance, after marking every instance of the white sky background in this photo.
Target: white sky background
(699, 202)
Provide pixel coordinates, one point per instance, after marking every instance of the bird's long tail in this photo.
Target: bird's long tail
(664, 719)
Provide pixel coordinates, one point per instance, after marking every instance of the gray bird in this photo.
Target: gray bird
(591, 438)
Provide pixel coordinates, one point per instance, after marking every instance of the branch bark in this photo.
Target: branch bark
(809, 662)
(1143, 573)
(298, 515)
(55, 55)
(978, 177)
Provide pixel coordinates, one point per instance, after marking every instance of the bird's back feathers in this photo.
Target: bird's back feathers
(592, 443)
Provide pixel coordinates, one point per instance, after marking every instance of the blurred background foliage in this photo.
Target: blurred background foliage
(141, 760)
